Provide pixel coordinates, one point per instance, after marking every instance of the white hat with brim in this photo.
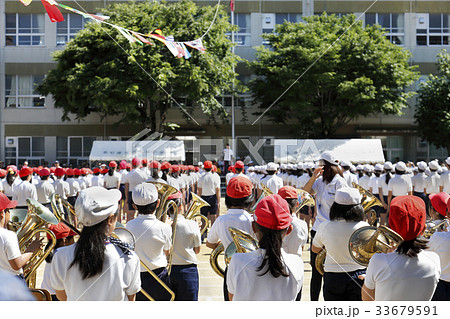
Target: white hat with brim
(330, 158)
(400, 166)
(95, 204)
(348, 196)
(144, 194)
(273, 167)
(433, 165)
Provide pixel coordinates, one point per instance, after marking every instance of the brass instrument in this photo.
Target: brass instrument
(265, 192)
(304, 199)
(320, 261)
(37, 218)
(194, 211)
(369, 240)
(214, 260)
(17, 216)
(126, 236)
(164, 191)
(431, 228)
(368, 201)
(57, 203)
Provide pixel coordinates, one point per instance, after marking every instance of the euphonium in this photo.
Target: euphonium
(57, 203)
(367, 241)
(194, 211)
(164, 191)
(37, 217)
(432, 228)
(265, 192)
(17, 216)
(368, 201)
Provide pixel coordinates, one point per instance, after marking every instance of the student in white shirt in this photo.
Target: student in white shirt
(230, 174)
(348, 176)
(383, 181)
(208, 188)
(153, 241)
(400, 184)
(97, 178)
(25, 189)
(409, 273)
(445, 178)
(112, 178)
(44, 189)
(155, 169)
(10, 181)
(268, 273)
(74, 186)
(341, 282)
(134, 178)
(271, 180)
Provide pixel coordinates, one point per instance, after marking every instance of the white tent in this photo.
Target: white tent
(158, 150)
(354, 150)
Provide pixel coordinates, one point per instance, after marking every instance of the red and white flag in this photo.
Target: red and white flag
(232, 5)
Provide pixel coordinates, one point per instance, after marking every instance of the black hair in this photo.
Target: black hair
(164, 174)
(270, 172)
(10, 177)
(147, 209)
(155, 173)
(330, 171)
(349, 213)
(111, 171)
(238, 169)
(208, 169)
(272, 240)
(90, 250)
(178, 202)
(388, 177)
(399, 172)
(412, 248)
(243, 203)
(24, 178)
(292, 202)
(59, 243)
(44, 178)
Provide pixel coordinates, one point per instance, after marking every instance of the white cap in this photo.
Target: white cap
(346, 163)
(448, 160)
(427, 171)
(444, 169)
(251, 169)
(422, 165)
(327, 156)
(348, 196)
(144, 194)
(388, 166)
(200, 164)
(434, 165)
(273, 167)
(299, 165)
(359, 167)
(95, 204)
(367, 168)
(379, 167)
(400, 166)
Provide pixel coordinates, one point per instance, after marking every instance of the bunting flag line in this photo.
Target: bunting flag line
(178, 49)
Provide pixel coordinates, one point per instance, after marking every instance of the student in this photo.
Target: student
(408, 273)
(11, 259)
(97, 267)
(112, 178)
(184, 272)
(267, 273)
(25, 189)
(44, 189)
(340, 279)
(238, 199)
(153, 241)
(135, 177)
(209, 190)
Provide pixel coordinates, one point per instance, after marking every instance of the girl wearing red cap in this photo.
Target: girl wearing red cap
(10, 181)
(267, 273)
(409, 273)
(111, 180)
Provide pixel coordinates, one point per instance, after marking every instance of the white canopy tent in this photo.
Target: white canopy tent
(158, 150)
(353, 150)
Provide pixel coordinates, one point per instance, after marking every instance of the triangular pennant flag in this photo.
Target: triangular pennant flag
(157, 37)
(26, 2)
(137, 35)
(53, 12)
(172, 48)
(187, 54)
(126, 34)
(196, 44)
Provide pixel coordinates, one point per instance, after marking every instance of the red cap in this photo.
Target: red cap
(165, 165)
(61, 231)
(70, 172)
(96, 170)
(231, 168)
(407, 216)
(25, 171)
(439, 202)
(239, 187)
(44, 172)
(53, 169)
(12, 168)
(239, 164)
(104, 171)
(128, 165)
(2, 173)
(214, 168)
(59, 171)
(113, 164)
(207, 164)
(6, 203)
(123, 164)
(288, 192)
(191, 167)
(175, 168)
(176, 195)
(144, 161)
(76, 172)
(448, 207)
(273, 212)
(84, 171)
(135, 161)
(197, 168)
(155, 164)
(36, 170)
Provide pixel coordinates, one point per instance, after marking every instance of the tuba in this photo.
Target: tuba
(18, 215)
(126, 236)
(58, 203)
(35, 222)
(369, 240)
(368, 201)
(433, 227)
(164, 191)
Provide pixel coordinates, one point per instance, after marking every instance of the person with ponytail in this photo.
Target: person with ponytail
(155, 169)
(97, 267)
(10, 181)
(268, 273)
(111, 180)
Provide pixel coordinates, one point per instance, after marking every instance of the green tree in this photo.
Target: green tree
(433, 112)
(100, 71)
(349, 71)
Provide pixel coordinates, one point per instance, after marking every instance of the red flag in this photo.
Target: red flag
(232, 5)
(53, 12)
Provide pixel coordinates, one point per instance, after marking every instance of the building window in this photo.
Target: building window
(243, 35)
(20, 91)
(280, 18)
(392, 23)
(25, 29)
(74, 150)
(67, 29)
(433, 29)
(25, 148)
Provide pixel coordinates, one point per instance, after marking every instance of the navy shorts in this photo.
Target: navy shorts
(153, 287)
(442, 292)
(212, 209)
(185, 283)
(342, 286)
(130, 201)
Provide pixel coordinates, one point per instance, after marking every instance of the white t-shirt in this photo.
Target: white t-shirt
(9, 250)
(46, 278)
(273, 182)
(349, 178)
(119, 278)
(419, 182)
(152, 238)
(302, 180)
(111, 181)
(400, 185)
(440, 244)
(97, 180)
(445, 182)
(325, 197)
(23, 191)
(44, 189)
(293, 243)
(382, 184)
(227, 154)
(208, 183)
(228, 177)
(334, 235)
(364, 181)
(74, 187)
(62, 188)
(187, 236)
(237, 218)
(135, 178)
(245, 284)
(397, 277)
(373, 185)
(9, 190)
(432, 183)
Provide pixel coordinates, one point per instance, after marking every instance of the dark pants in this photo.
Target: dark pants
(212, 209)
(72, 200)
(154, 288)
(341, 286)
(184, 280)
(316, 277)
(226, 164)
(442, 292)
(122, 190)
(225, 288)
(130, 201)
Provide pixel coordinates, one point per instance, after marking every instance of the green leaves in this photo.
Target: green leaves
(349, 71)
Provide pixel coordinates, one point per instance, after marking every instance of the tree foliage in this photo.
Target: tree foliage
(433, 112)
(100, 71)
(349, 71)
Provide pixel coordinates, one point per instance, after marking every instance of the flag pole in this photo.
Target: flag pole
(233, 136)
